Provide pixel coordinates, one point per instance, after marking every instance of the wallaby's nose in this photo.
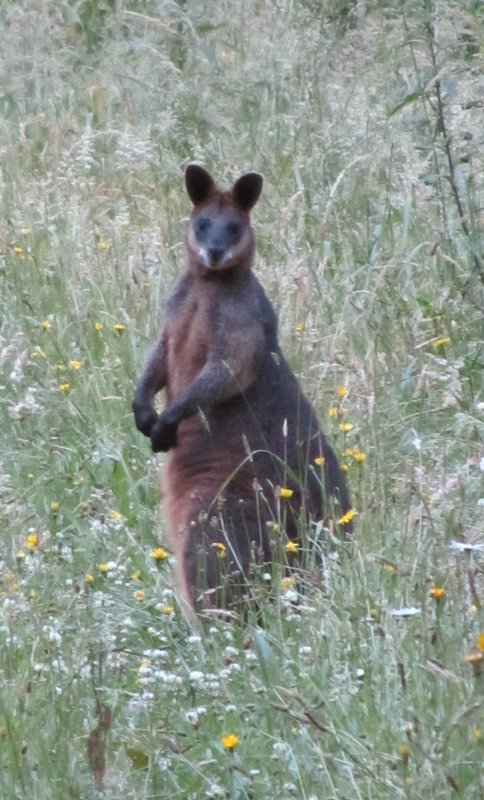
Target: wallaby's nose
(215, 254)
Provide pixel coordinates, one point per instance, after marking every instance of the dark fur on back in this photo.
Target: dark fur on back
(236, 424)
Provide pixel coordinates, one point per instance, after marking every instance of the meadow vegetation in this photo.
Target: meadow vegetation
(365, 118)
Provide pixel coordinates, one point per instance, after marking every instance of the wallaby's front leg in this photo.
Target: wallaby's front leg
(152, 380)
(217, 381)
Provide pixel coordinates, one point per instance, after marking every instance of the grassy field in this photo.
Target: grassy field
(366, 121)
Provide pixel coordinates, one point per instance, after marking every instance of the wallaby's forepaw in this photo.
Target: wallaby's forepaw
(145, 419)
(163, 435)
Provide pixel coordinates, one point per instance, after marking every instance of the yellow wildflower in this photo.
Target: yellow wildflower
(75, 364)
(54, 506)
(477, 733)
(285, 493)
(341, 391)
(291, 547)
(98, 326)
(319, 461)
(299, 327)
(359, 457)
(480, 642)
(346, 426)
(441, 341)
(46, 325)
(139, 595)
(344, 467)
(405, 752)
(115, 515)
(437, 592)
(287, 583)
(38, 352)
(167, 610)
(345, 518)
(32, 541)
(18, 251)
(333, 411)
(89, 578)
(220, 548)
(103, 568)
(119, 327)
(159, 553)
(102, 245)
(64, 388)
(25, 231)
(230, 741)
(136, 575)
(390, 569)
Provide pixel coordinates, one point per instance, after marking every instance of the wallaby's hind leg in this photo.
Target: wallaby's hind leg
(218, 554)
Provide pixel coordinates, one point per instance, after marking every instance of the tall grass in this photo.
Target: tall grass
(366, 121)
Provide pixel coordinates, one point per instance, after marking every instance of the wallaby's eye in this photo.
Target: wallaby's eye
(202, 225)
(234, 229)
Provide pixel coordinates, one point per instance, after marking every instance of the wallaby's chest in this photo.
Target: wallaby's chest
(210, 320)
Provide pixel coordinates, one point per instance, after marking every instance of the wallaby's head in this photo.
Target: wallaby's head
(220, 236)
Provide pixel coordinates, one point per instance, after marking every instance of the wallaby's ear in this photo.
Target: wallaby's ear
(199, 183)
(246, 190)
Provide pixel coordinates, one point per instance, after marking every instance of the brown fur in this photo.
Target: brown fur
(236, 424)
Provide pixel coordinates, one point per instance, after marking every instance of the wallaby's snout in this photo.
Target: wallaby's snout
(215, 254)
